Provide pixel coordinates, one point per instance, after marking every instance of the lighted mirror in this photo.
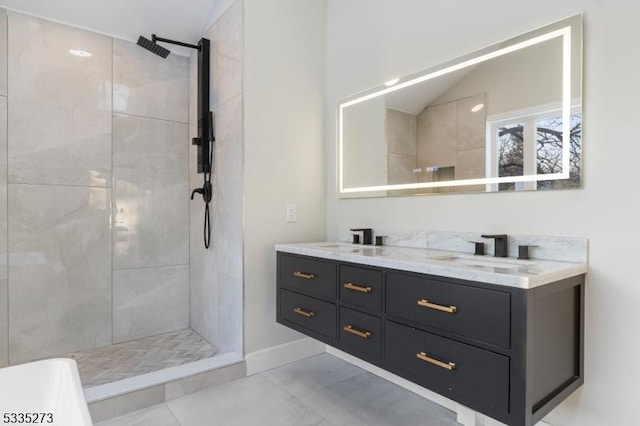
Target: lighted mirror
(504, 118)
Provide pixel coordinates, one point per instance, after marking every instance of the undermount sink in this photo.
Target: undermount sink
(474, 261)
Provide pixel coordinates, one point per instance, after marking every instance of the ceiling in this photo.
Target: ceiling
(184, 20)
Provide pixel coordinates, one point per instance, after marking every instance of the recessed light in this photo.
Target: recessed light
(80, 53)
(477, 108)
(392, 82)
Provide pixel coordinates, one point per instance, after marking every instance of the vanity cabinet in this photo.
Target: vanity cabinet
(507, 352)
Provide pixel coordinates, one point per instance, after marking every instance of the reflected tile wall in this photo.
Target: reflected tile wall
(60, 104)
(437, 135)
(149, 301)
(472, 124)
(147, 85)
(60, 270)
(3, 52)
(151, 211)
(402, 133)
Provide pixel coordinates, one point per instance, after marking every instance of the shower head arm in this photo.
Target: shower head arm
(155, 38)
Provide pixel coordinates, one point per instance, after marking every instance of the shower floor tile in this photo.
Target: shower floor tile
(141, 356)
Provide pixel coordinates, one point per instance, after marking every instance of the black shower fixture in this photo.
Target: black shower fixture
(205, 138)
(152, 46)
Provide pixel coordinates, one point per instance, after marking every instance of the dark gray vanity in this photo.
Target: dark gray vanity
(512, 352)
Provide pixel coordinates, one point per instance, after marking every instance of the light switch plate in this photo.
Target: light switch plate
(291, 212)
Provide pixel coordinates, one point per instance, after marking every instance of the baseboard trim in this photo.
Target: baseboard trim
(277, 356)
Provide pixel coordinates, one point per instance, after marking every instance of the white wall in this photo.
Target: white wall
(413, 34)
(285, 53)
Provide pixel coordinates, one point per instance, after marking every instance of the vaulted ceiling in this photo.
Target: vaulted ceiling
(184, 20)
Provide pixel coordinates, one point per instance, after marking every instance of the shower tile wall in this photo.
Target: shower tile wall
(216, 273)
(59, 269)
(151, 189)
(146, 300)
(3, 53)
(59, 166)
(59, 104)
(148, 85)
(4, 314)
(57, 249)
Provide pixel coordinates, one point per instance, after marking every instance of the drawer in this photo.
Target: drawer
(361, 332)
(467, 374)
(312, 314)
(361, 287)
(479, 314)
(315, 277)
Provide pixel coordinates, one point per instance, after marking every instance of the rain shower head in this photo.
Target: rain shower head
(152, 46)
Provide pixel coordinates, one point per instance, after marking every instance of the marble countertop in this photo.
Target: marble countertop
(506, 271)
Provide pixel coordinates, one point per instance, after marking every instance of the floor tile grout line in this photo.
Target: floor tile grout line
(173, 414)
(309, 407)
(311, 391)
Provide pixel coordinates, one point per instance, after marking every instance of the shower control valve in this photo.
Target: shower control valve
(206, 191)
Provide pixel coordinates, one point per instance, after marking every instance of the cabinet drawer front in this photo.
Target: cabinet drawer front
(456, 370)
(361, 287)
(315, 277)
(482, 315)
(312, 314)
(361, 332)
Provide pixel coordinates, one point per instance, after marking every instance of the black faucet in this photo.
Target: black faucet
(367, 235)
(500, 246)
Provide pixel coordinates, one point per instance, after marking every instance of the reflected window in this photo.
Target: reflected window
(532, 143)
(549, 145)
(510, 150)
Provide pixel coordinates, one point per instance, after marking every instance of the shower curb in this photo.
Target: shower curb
(128, 395)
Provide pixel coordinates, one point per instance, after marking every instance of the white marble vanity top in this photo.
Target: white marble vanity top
(507, 271)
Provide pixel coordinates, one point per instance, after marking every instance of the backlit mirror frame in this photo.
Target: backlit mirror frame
(570, 32)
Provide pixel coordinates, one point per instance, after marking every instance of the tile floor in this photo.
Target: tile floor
(322, 390)
(141, 356)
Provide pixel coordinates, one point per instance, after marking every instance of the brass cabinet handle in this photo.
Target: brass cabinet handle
(363, 334)
(303, 275)
(352, 286)
(299, 311)
(446, 365)
(425, 303)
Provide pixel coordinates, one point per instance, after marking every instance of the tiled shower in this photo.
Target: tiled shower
(99, 241)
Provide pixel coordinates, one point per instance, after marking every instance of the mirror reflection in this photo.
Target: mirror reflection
(495, 120)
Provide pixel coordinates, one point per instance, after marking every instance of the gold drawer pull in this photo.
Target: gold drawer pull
(425, 303)
(299, 311)
(446, 365)
(352, 286)
(303, 275)
(363, 334)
